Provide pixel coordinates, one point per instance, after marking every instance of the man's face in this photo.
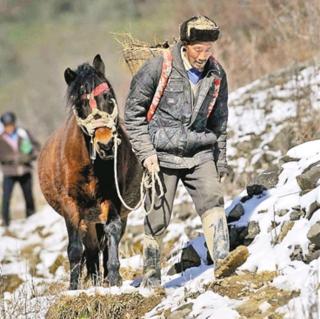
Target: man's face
(198, 53)
(9, 128)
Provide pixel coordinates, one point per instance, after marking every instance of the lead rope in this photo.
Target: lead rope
(145, 184)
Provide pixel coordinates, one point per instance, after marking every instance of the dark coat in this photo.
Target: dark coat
(179, 133)
(13, 161)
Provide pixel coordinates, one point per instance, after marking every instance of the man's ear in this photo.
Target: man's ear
(69, 75)
(98, 64)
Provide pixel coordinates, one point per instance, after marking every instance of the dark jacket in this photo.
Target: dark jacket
(179, 132)
(16, 162)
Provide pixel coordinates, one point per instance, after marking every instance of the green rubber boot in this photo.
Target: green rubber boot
(215, 229)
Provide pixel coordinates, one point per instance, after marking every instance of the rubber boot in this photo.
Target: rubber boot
(215, 229)
(151, 261)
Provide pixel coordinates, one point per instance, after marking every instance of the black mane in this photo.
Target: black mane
(87, 79)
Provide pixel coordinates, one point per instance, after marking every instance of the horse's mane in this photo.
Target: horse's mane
(88, 77)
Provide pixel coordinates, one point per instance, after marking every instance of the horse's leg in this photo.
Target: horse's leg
(113, 231)
(106, 248)
(75, 251)
(91, 252)
(92, 263)
(105, 263)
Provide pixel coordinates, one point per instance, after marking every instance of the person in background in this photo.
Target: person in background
(18, 149)
(185, 139)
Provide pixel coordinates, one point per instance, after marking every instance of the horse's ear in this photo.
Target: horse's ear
(98, 64)
(69, 75)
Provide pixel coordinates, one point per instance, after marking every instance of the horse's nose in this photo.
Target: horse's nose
(107, 147)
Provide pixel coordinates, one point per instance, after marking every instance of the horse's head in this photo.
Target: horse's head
(94, 105)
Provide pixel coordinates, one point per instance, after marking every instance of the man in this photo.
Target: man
(17, 150)
(183, 141)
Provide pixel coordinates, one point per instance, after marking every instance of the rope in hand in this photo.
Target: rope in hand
(148, 181)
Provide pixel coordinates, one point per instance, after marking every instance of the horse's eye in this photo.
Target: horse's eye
(105, 95)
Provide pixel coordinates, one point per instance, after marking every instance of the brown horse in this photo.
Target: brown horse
(76, 172)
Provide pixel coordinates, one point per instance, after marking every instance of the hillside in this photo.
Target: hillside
(276, 217)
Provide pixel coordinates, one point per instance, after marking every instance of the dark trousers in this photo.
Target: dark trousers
(25, 182)
(201, 182)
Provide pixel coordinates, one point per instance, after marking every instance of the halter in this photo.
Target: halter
(104, 119)
(97, 118)
(101, 88)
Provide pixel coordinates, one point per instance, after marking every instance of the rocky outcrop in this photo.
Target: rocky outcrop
(309, 177)
(314, 234)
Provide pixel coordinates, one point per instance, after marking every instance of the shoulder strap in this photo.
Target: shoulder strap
(216, 83)
(165, 73)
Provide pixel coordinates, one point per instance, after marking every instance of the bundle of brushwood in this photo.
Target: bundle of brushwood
(136, 52)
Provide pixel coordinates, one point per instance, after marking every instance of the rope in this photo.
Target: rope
(98, 118)
(148, 181)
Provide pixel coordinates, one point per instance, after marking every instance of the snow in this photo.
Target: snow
(212, 305)
(45, 231)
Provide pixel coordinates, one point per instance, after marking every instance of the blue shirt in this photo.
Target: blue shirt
(194, 75)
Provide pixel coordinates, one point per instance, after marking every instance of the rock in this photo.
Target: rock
(235, 213)
(189, 258)
(282, 212)
(312, 256)
(287, 158)
(309, 178)
(312, 209)
(283, 141)
(285, 228)
(268, 179)
(245, 198)
(10, 283)
(297, 253)
(297, 214)
(313, 253)
(181, 312)
(255, 189)
(236, 236)
(314, 234)
(298, 207)
(262, 211)
(235, 259)
(253, 230)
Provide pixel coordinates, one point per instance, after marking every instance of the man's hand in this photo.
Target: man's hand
(151, 163)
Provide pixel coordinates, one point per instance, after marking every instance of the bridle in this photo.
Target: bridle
(98, 118)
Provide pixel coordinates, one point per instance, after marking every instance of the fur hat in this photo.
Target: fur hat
(199, 28)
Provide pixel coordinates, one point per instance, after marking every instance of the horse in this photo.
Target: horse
(76, 169)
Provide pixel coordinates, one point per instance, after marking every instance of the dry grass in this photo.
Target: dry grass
(123, 306)
(254, 289)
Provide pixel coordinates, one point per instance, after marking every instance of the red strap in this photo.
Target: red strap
(216, 83)
(101, 88)
(165, 73)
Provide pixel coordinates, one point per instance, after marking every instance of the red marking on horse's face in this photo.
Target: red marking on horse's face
(103, 135)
